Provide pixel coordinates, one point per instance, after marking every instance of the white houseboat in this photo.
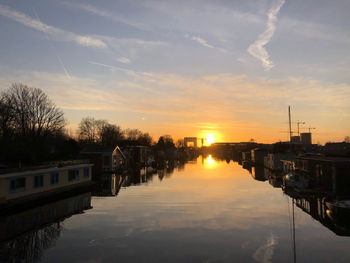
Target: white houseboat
(36, 182)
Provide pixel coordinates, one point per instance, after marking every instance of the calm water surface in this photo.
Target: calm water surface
(206, 211)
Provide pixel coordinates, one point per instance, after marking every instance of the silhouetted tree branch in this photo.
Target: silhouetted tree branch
(32, 112)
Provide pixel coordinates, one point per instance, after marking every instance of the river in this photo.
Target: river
(204, 211)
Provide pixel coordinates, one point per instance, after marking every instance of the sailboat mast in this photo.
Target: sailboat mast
(290, 125)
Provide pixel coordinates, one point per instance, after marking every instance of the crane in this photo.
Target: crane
(298, 123)
(311, 128)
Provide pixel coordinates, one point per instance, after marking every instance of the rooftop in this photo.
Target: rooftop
(43, 167)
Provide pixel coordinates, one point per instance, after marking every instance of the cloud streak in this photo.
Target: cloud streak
(124, 60)
(202, 41)
(57, 33)
(257, 49)
(108, 15)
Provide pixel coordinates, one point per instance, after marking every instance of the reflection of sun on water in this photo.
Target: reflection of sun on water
(209, 162)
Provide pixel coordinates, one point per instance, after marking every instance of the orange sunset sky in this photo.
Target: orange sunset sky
(186, 68)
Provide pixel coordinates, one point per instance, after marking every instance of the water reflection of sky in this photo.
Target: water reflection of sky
(199, 214)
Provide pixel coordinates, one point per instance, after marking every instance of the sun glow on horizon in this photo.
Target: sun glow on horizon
(210, 139)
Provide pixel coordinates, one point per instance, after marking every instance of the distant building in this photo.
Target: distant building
(295, 139)
(137, 154)
(191, 140)
(37, 182)
(337, 149)
(306, 138)
(105, 159)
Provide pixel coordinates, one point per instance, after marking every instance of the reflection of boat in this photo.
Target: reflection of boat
(258, 173)
(24, 235)
(345, 204)
(16, 221)
(294, 180)
(246, 164)
(333, 214)
(339, 208)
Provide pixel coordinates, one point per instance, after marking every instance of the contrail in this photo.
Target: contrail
(112, 67)
(64, 68)
(257, 49)
(53, 48)
(58, 33)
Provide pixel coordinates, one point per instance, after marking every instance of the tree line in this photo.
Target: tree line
(33, 130)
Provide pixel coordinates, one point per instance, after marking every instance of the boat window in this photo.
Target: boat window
(17, 185)
(38, 181)
(54, 178)
(86, 172)
(73, 175)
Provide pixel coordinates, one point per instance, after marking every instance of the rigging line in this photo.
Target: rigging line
(290, 222)
(294, 244)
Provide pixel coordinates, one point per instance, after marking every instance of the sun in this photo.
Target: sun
(210, 139)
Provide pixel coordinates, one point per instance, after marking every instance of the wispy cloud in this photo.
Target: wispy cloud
(57, 33)
(257, 49)
(202, 41)
(109, 15)
(124, 60)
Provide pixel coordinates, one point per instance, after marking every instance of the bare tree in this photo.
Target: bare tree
(33, 113)
(145, 139)
(137, 136)
(165, 142)
(88, 130)
(6, 118)
(180, 143)
(110, 135)
(99, 131)
(132, 134)
(347, 139)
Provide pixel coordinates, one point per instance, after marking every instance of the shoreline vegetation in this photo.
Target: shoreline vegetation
(33, 130)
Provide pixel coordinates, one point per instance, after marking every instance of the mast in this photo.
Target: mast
(290, 125)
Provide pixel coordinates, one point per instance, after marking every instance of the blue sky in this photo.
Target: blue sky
(186, 67)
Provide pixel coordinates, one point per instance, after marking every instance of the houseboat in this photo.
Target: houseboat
(29, 184)
(105, 159)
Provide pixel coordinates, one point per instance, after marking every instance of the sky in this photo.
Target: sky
(186, 68)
